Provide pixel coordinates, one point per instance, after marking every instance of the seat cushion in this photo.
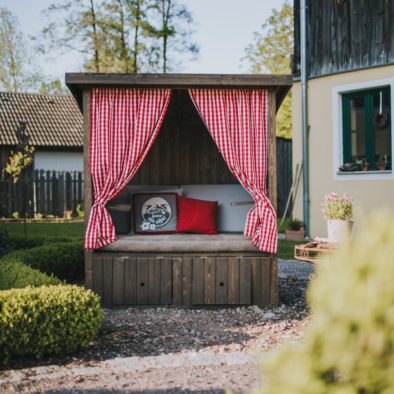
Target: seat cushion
(181, 243)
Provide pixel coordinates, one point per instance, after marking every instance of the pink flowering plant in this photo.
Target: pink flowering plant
(336, 207)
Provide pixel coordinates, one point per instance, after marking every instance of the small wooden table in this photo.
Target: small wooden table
(313, 251)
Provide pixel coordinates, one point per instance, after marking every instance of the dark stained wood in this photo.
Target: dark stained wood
(274, 280)
(271, 150)
(142, 281)
(98, 285)
(184, 151)
(154, 281)
(88, 187)
(198, 281)
(245, 281)
(221, 280)
(233, 280)
(130, 281)
(256, 280)
(177, 289)
(187, 280)
(118, 293)
(345, 35)
(265, 281)
(209, 281)
(166, 281)
(108, 281)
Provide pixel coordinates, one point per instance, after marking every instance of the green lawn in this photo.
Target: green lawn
(47, 230)
(75, 230)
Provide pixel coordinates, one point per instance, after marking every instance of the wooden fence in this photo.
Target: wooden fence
(51, 192)
(43, 192)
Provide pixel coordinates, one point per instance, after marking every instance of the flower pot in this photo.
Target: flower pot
(295, 235)
(338, 230)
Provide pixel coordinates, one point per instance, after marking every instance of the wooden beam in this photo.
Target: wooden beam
(88, 188)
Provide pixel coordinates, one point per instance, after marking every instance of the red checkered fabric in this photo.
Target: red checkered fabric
(237, 121)
(124, 124)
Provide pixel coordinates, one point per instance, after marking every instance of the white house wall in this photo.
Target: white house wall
(58, 161)
(370, 191)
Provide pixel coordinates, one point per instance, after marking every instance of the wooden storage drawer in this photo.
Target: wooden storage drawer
(185, 279)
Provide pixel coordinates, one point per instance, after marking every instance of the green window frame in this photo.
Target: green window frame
(369, 127)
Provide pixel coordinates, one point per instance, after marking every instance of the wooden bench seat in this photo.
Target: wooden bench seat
(181, 243)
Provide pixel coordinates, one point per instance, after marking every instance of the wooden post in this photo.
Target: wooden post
(272, 183)
(88, 188)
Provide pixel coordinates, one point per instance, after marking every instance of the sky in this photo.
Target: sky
(223, 29)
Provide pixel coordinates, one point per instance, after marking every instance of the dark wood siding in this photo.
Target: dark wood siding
(344, 35)
(184, 152)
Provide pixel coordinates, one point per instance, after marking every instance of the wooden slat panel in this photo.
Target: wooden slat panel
(108, 280)
(233, 280)
(118, 293)
(187, 277)
(265, 280)
(256, 280)
(221, 280)
(166, 281)
(177, 281)
(209, 281)
(142, 281)
(154, 281)
(98, 285)
(131, 281)
(198, 281)
(274, 280)
(245, 281)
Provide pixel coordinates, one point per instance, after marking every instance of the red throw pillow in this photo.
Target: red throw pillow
(196, 216)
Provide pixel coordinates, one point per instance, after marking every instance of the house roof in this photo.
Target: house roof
(53, 120)
(79, 81)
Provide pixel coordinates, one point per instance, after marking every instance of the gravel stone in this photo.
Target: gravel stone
(173, 350)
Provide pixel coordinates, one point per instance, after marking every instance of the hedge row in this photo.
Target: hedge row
(47, 320)
(14, 274)
(64, 260)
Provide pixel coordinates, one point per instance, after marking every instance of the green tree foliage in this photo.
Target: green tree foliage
(18, 161)
(350, 345)
(270, 53)
(120, 35)
(17, 67)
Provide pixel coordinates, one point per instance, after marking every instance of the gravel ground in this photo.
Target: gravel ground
(172, 350)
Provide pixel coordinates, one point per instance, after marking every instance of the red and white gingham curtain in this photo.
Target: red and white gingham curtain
(124, 124)
(237, 121)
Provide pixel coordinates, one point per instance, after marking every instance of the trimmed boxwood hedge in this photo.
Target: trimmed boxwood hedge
(14, 274)
(47, 320)
(64, 260)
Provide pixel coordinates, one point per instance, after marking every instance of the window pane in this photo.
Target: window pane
(357, 129)
(381, 128)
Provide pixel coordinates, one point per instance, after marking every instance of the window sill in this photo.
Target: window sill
(364, 172)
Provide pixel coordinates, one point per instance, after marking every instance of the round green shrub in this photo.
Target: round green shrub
(14, 274)
(350, 345)
(64, 260)
(47, 320)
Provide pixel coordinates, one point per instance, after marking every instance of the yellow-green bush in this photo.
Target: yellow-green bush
(47, 320)
(15, 275)
(349, 348)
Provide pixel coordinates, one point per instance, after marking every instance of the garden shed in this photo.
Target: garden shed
(180, 187)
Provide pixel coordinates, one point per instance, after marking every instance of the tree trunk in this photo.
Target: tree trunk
(95, 38)
(122, 38)
(136, 37)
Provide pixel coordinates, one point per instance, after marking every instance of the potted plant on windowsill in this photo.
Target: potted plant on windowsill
(338, 211)
(295, 230)
(382, 163)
